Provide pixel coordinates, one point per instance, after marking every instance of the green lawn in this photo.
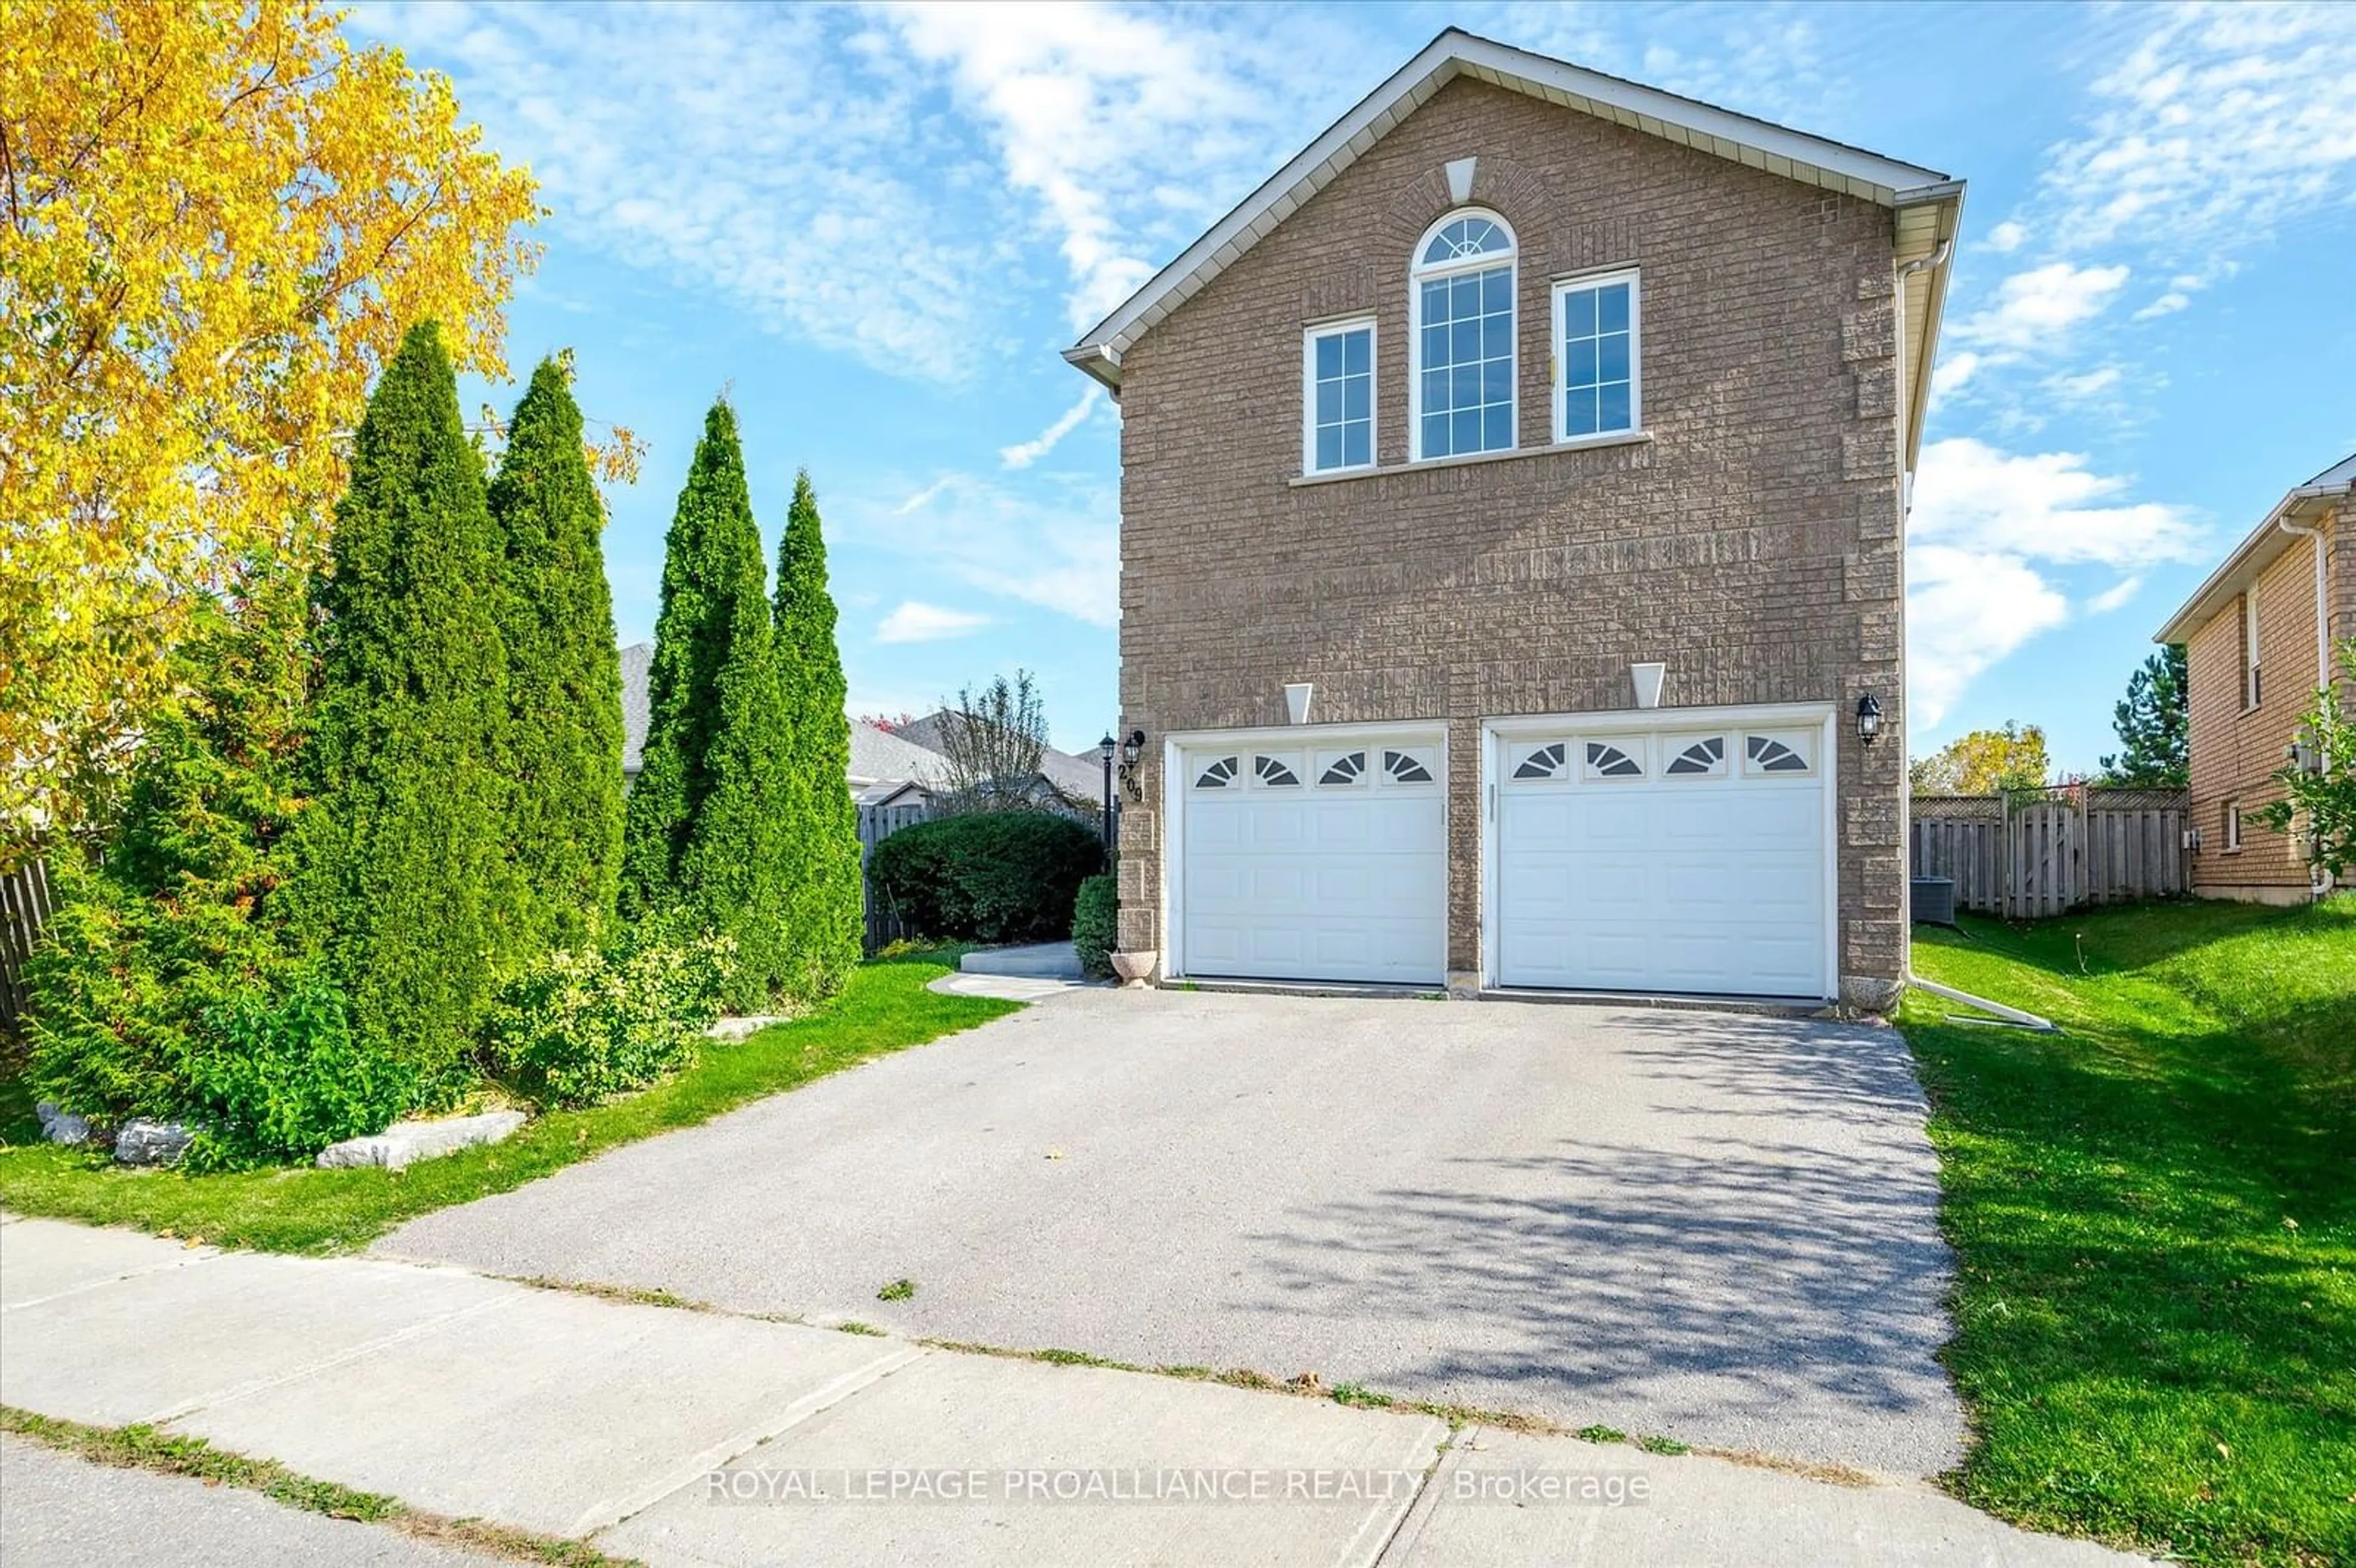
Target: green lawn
(885, 1008)
(2155, 1213)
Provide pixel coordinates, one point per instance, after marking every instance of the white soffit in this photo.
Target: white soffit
(1756, 144)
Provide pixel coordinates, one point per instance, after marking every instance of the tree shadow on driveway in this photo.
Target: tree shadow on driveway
(1761, 1268)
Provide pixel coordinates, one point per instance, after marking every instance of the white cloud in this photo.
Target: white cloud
(2114, 597)
(1990, 534)
(1130, 130)
(1965, 611)
(2084, 388)
(2219, 127)
(1055, 544)
(916, 622)
(2006, 237)
(1954, 372)
(2167, 304)
(1022, 454)
(751, 153)
(2032, 309)
(923, 498)
(2048, 506)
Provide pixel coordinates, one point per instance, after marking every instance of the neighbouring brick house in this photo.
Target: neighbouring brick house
(1512, 514)
(2256, 640)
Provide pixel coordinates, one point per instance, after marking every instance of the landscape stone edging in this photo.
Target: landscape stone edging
(405, 1143)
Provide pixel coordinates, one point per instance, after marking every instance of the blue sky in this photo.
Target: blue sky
(874, 227)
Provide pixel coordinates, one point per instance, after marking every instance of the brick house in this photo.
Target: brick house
(1512, 511)
(2257, 637)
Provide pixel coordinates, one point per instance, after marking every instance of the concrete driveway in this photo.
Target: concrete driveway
(1717, 1227)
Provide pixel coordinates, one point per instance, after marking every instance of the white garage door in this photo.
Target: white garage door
(1690, 860)
(1313, 862)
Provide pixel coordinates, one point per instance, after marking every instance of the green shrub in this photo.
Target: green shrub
(183, 916)
(1095, 918)
(580, 1028)
(996, 876)
(278, 1077)
(564, 818)
(401, 871)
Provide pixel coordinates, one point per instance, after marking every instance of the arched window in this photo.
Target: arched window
(1461, 299)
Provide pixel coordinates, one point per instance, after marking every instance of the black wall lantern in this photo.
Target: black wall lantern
(1132, 750)
(1869, 719)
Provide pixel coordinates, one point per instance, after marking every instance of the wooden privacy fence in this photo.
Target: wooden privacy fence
(2035, 854)
(877, 823)
(24, 905)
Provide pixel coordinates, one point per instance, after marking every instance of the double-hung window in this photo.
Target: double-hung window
(1598, 371)
(2253, 682)
(1337, 372)
(1460, 386)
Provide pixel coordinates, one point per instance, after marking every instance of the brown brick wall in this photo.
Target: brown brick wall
(1753, 544)
(2235, 748)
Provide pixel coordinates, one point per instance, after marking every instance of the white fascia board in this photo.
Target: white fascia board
(1868, 175)
(2250, 558)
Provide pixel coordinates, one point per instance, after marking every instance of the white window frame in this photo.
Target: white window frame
(1308, 336)
(2233, 827)
(2253, 686)
(1418, 274)
(1555, 369)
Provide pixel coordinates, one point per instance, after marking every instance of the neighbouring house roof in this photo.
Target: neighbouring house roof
(636, 658)
(877, 756)
(1079, 777)
(1928, 204)
(2259, 550)
(883, 756)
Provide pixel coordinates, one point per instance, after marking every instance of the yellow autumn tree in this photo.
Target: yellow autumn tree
(219, 218)
(1983, 761)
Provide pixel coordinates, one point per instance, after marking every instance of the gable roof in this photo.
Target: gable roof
(636, 658)
(1928, 204)
(1079, 777)
(877, 756)
(2257, 551)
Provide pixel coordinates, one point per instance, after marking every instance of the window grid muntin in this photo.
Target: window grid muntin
(1544, 762)
(1403, 766)
(1338, 380)
(1464, 397)
(1777, 756)
(1218, 774)
(1275, 772)
(1348, 768)
(1598, 350)
(1612, 759)
(1700, 758)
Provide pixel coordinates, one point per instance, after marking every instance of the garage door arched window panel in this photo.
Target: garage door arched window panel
(1534, 764)
(1789, 753)
(1614, 759)
(1409, 764)
(1220, 774)
(1696, 759)
(1277, 772)
(1341, 767)
(1461, 385)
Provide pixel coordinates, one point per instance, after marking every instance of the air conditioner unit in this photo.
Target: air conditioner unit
(1932, 900)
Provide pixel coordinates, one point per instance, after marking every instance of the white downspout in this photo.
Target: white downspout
(2320, 879)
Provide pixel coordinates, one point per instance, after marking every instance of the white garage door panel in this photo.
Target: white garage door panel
(1711, 885)
(1312, 882)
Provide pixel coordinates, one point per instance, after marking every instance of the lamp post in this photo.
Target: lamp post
(1105, 748)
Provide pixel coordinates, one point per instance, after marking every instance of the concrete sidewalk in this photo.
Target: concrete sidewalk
(684, 1437)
